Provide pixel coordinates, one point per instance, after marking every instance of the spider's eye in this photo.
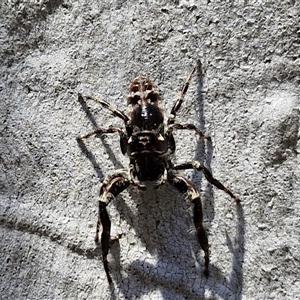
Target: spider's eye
(134, 100)
(134, 88)
(148, 86)
(153, 97)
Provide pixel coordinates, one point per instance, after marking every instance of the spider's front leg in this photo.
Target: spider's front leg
(183, 185)
(194, 164)
(178, 103)
(116, 112)
(112, 186)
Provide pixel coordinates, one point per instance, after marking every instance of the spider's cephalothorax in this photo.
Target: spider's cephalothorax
(144, 105)
(149, 143)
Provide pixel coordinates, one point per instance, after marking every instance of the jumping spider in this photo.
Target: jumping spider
(149, 144)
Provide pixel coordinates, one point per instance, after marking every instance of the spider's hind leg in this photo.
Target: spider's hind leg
(183, 185)
(197, 165)
(112, 186)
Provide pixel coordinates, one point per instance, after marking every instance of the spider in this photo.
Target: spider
(149, 144)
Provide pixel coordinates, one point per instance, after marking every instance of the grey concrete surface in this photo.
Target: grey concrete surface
(248, 101)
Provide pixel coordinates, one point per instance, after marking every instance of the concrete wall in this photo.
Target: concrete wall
(247, 100)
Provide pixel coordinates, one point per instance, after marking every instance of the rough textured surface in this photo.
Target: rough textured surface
(249, 104)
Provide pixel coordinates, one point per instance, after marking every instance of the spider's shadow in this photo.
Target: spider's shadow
(238, 252)
(89, 155)
(235, 281)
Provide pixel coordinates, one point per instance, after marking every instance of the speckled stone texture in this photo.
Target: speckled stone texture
(247, 101)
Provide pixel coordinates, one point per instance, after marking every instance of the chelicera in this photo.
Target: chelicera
(149, 144)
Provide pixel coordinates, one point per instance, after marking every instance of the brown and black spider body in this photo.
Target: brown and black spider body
(149, 144)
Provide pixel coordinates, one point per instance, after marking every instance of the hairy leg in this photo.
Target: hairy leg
(183, 185)
(116, 112)
(101, 131)
(177, 126)
(180, 100)
(194, 164)
(112, 186)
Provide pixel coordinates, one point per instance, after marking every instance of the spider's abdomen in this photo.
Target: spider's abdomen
(148, 168)
(148, 151)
